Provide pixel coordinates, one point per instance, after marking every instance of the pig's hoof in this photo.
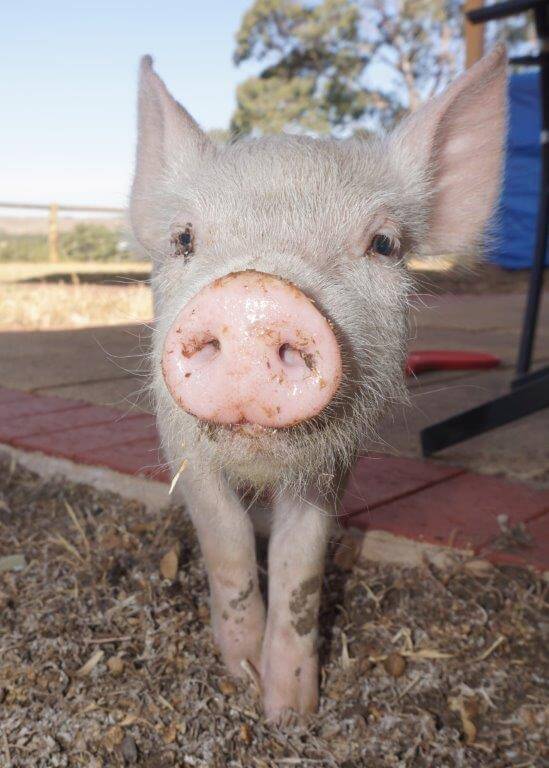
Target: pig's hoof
(289, 691)
(285, 717)
(290, 707)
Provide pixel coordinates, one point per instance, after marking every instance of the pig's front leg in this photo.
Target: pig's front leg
(289, 660)
(227, 540)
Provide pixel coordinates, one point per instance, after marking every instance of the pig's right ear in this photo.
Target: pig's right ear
(170, 147)
(449, 155)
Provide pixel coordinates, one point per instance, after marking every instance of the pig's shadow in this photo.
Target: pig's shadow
(331, 604)
(120, 278)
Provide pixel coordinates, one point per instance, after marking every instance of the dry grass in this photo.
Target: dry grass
(106, 658)
(53, 296)
(45, 306)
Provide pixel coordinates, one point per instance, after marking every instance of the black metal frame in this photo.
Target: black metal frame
(529, 391)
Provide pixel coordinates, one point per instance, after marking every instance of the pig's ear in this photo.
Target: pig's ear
(170, 147)
(454, 144)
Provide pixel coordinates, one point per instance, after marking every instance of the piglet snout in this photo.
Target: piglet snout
(251, 348)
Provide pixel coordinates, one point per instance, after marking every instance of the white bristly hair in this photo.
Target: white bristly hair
(306, 210)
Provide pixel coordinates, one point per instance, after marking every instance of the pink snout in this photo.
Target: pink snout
(251, 348)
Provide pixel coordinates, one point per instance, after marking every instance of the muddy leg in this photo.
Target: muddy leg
(227, 541)
(289, 660)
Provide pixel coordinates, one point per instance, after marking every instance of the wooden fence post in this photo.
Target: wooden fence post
(474, 35)
(53, 234)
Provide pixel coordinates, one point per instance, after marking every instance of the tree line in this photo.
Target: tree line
(343, 66)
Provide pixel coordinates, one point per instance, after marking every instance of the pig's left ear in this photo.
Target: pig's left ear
(170, 147)
(454, 146)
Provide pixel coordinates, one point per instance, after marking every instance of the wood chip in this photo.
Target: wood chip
(479, 567)
(129, 749)
(91, 663)
(128, 720)
(245, 733)
(395, 665)
(169, 564)
(170, 733)
(113, 738)
(62, 542)
(427, 653)
(457, 704)
(78, 525)
(226, 687)
(168, 699)
(12, 563)
(347, 552)
(252, 674)
(115, 665)
(142, 527)
(483, 656)
(346, 661)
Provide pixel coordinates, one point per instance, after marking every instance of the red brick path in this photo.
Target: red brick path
(422, 500)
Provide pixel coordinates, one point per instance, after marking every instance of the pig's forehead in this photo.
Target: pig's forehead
(282, 171)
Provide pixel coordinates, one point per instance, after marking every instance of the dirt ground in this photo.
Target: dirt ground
(106, 656)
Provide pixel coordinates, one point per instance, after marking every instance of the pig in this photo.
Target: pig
(281, 297)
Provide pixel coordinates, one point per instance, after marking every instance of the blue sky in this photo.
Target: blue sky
(68, 88)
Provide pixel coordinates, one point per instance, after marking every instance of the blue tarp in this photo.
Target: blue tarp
(517, 214)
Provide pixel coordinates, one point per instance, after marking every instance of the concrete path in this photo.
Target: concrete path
(107, 366)
(407, 508)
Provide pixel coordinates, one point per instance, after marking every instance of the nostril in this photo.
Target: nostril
(294, 358)
(290, 356)
(201, 350)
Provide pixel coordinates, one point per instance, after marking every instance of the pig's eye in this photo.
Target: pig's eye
(383, 245)
(183, 241)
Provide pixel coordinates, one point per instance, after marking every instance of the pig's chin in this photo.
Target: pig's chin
(265, 457)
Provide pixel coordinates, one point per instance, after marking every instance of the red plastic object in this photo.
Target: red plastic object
(448, 360)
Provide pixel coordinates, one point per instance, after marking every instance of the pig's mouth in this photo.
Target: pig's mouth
(247, 429)
(260, 437)
(244, 429)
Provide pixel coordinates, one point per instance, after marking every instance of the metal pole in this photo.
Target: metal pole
(53, 234)
(538, 265)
